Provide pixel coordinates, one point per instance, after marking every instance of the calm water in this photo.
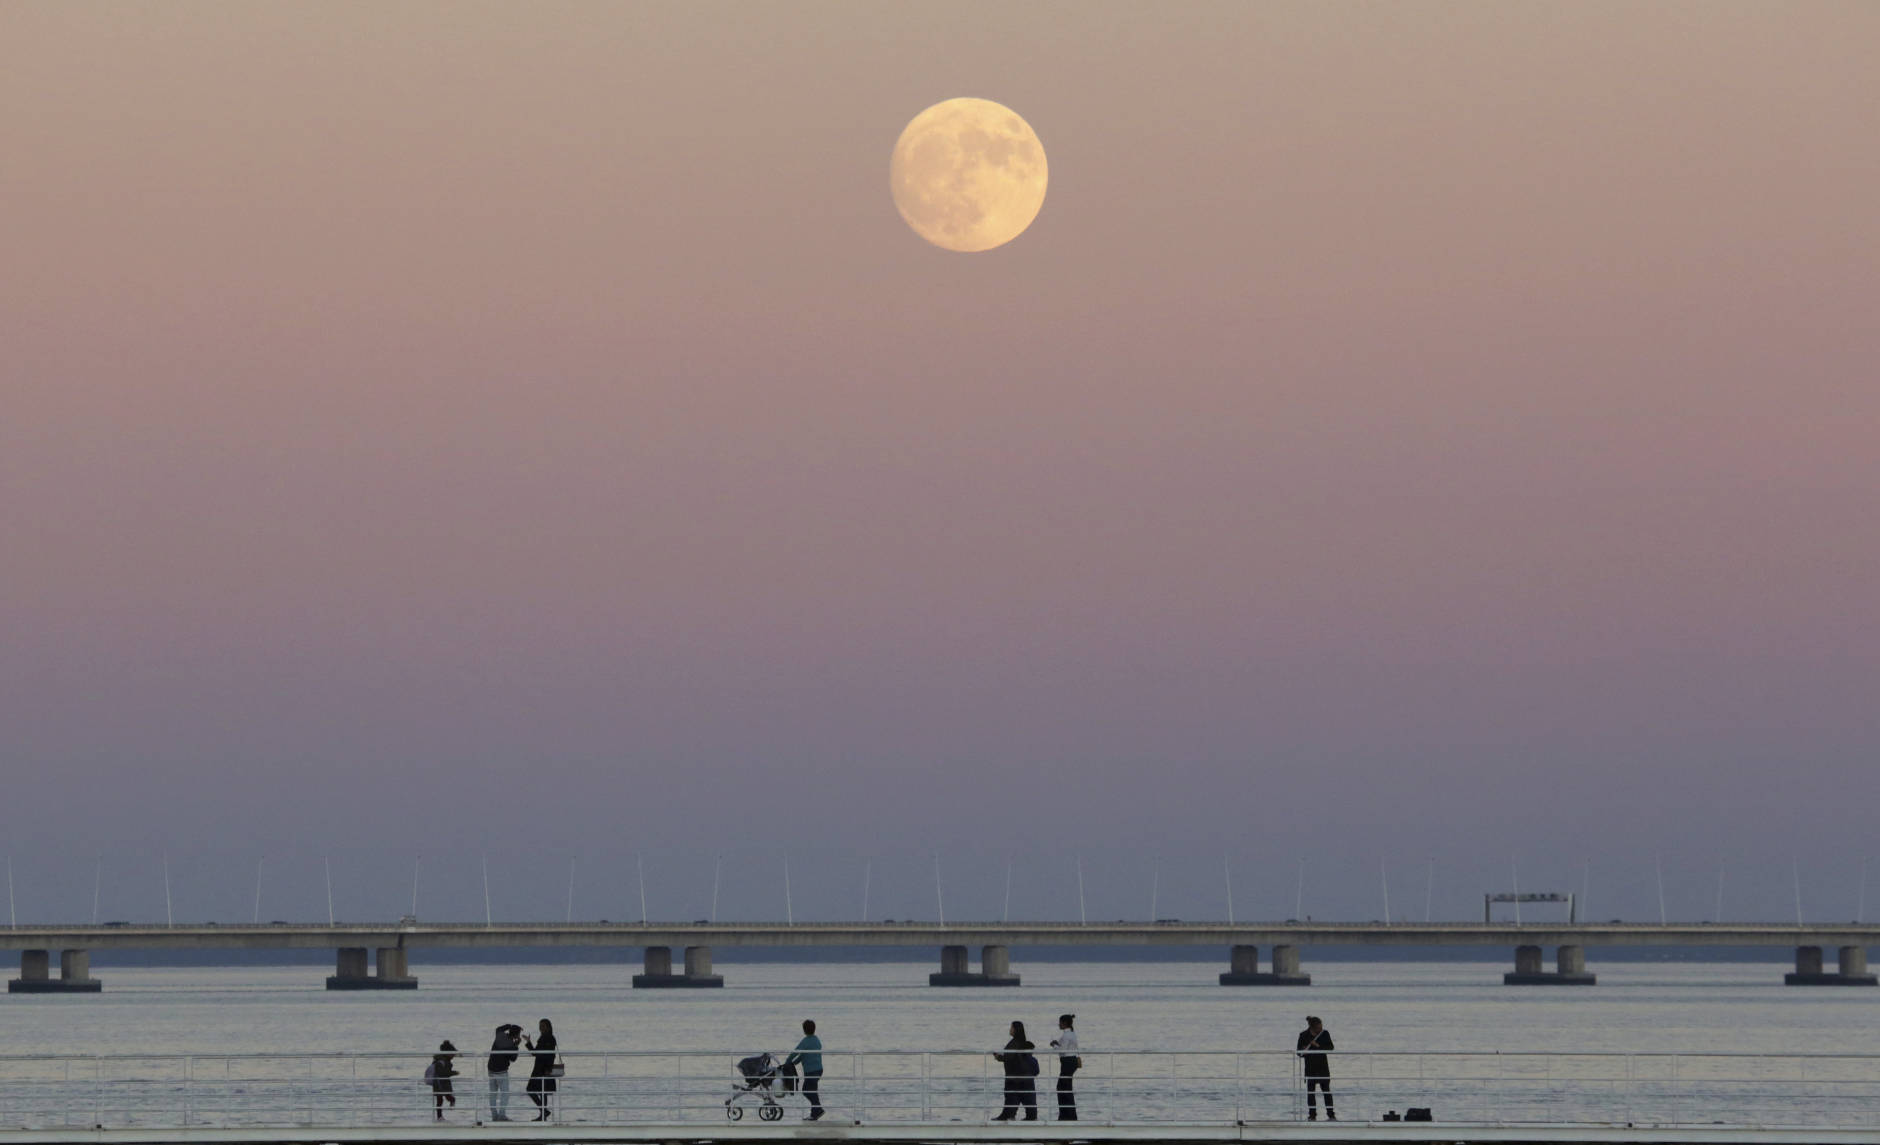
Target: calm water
(887, 1006)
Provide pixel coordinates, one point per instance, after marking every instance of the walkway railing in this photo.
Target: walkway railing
(934, 1088)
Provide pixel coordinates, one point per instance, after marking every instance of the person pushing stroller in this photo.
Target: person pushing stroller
(808, 1057)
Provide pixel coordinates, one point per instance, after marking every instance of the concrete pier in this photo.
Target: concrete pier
(394, 972)
(1569, 968)
(995, 968)
(954, 970)
(698, 967)
(350, 970)
(659, 975)
(36, 974)
(1244, 968)
(1809, 971)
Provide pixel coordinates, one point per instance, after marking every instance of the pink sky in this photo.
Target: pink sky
(1407, 430)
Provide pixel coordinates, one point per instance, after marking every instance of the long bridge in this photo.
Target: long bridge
(391, 945)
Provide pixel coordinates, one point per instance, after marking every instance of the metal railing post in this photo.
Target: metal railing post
(1677, 1093)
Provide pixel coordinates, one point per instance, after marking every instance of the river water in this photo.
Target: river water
(1458, 1015)
(1636, 1007)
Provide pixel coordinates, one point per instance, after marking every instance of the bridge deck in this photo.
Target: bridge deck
(778, 934)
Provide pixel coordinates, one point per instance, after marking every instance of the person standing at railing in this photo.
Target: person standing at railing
(1068, 1063)
(808, 1057)
(1021, 1072)
(439, 1073)
(1314, 1041)
(502, 1056)
(542, 1076)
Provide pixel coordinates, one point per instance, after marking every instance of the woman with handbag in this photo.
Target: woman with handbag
(1021, 1072)
(542, 1083)
(1069, 1062)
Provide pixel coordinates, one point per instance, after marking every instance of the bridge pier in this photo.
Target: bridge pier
(659, 975)
(350, 970)
(36, 974)
(995, 968)
(1852, 970)
(1244, 968)
(1569, 968)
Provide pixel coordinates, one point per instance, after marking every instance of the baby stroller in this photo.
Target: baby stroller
(757, 1074)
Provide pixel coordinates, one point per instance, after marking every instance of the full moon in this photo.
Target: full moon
(968, 174)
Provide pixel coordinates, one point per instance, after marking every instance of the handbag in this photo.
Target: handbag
(559, 1069)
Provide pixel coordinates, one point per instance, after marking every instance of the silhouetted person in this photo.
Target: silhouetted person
(808, 1057)
(1069, 1062)
(542, 1076)
(1021, 1070)
(502, 1056)
(439, 1073)
(1318, 1069)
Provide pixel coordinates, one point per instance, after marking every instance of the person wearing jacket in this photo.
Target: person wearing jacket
(502, 1056)
(808, 1057)
(1314, 1041)
(439, 1073)
(542, 1076)
(1021, 1070)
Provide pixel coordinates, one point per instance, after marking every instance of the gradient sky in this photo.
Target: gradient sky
(1411, 431)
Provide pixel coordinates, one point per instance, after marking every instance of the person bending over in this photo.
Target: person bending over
(502, 1056)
